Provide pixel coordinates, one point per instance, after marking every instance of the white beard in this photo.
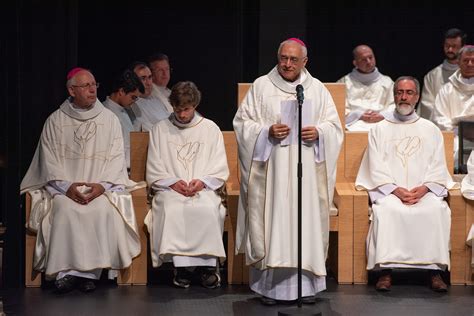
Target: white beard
(405, 109)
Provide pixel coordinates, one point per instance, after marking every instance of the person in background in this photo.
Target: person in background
(368, 92)
(453, 40)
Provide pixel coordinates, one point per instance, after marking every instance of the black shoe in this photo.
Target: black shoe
(182, 278)
(87, 286)
(308, 299)
(210, 278)
(267, 301)
(66, 284)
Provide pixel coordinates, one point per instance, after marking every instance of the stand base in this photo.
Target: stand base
(314, 311)
(321, 308)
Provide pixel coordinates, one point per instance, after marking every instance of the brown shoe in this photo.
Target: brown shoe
(437, 283)
(384, 283)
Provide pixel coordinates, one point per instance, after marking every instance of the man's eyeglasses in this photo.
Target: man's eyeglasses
(293, 60)
(88, 85)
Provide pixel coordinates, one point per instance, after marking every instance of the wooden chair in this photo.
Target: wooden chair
(33, 278)
(462, 271)
(346, 200)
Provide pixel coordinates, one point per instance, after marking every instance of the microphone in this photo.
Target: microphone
(299, 94)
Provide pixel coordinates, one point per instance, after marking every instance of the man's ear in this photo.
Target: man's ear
(71, 91)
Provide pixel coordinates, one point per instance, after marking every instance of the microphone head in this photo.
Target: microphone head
(299, 93)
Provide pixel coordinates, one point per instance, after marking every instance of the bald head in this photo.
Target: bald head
(364, 59)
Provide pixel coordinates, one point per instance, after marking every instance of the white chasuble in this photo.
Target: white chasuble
(467, 189)
(267, 214)
(81, 146)
(406, 155)
(180, 225)
(432, 83)
(376, 95)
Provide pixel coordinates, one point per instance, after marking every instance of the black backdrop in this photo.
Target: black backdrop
(214, 44)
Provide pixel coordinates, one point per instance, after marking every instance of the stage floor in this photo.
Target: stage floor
(406, 298)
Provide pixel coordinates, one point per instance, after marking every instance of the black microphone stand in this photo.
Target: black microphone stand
(300, 310)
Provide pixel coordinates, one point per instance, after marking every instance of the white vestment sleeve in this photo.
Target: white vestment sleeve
(164, 184)
(381, 191)
(353, 117)
(58, 187)
(212, 183)
(263, 146)
(437, 189)
(319, 155)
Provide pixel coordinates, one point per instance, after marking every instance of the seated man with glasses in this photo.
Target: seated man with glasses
(125, 90)
(81, 210)
(369, 93)
(405, 173)
(149, 109)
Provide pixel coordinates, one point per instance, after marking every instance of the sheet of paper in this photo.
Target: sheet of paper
(289, 116)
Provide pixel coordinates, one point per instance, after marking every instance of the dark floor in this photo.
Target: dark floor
(406, 298)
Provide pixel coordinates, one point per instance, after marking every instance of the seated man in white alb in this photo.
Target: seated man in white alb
(81, 210)
(125, 90)
(404, 170)
(148, 108)
(186, 171)
(369, 93)
(467, 189)
(455, 100)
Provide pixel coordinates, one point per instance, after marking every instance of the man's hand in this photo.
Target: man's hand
(75, 195)
(181, 187)
(410, 197)
(96, 190)
(371, 117)
(418, 193)
(195, 186)
(279, 131)
(309, 134)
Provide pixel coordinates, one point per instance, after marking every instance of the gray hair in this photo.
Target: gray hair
(303, 48)
(417, 83)
(465, 49)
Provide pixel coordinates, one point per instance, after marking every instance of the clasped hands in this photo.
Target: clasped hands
(410, 197)
(83, 192)
(188, 189)
(281, 131)
(371, 117)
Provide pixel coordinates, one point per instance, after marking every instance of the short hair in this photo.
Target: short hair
(453, 33)
(128, 81)
(137, 65)
(184, 93)
(157, 57)
(417, 83)
(465, 49)
(303, 48)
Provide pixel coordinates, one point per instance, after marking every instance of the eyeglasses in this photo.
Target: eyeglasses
(88, 85)
(399, 93)
(293, 60)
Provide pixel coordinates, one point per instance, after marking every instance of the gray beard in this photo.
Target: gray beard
(404, 110)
